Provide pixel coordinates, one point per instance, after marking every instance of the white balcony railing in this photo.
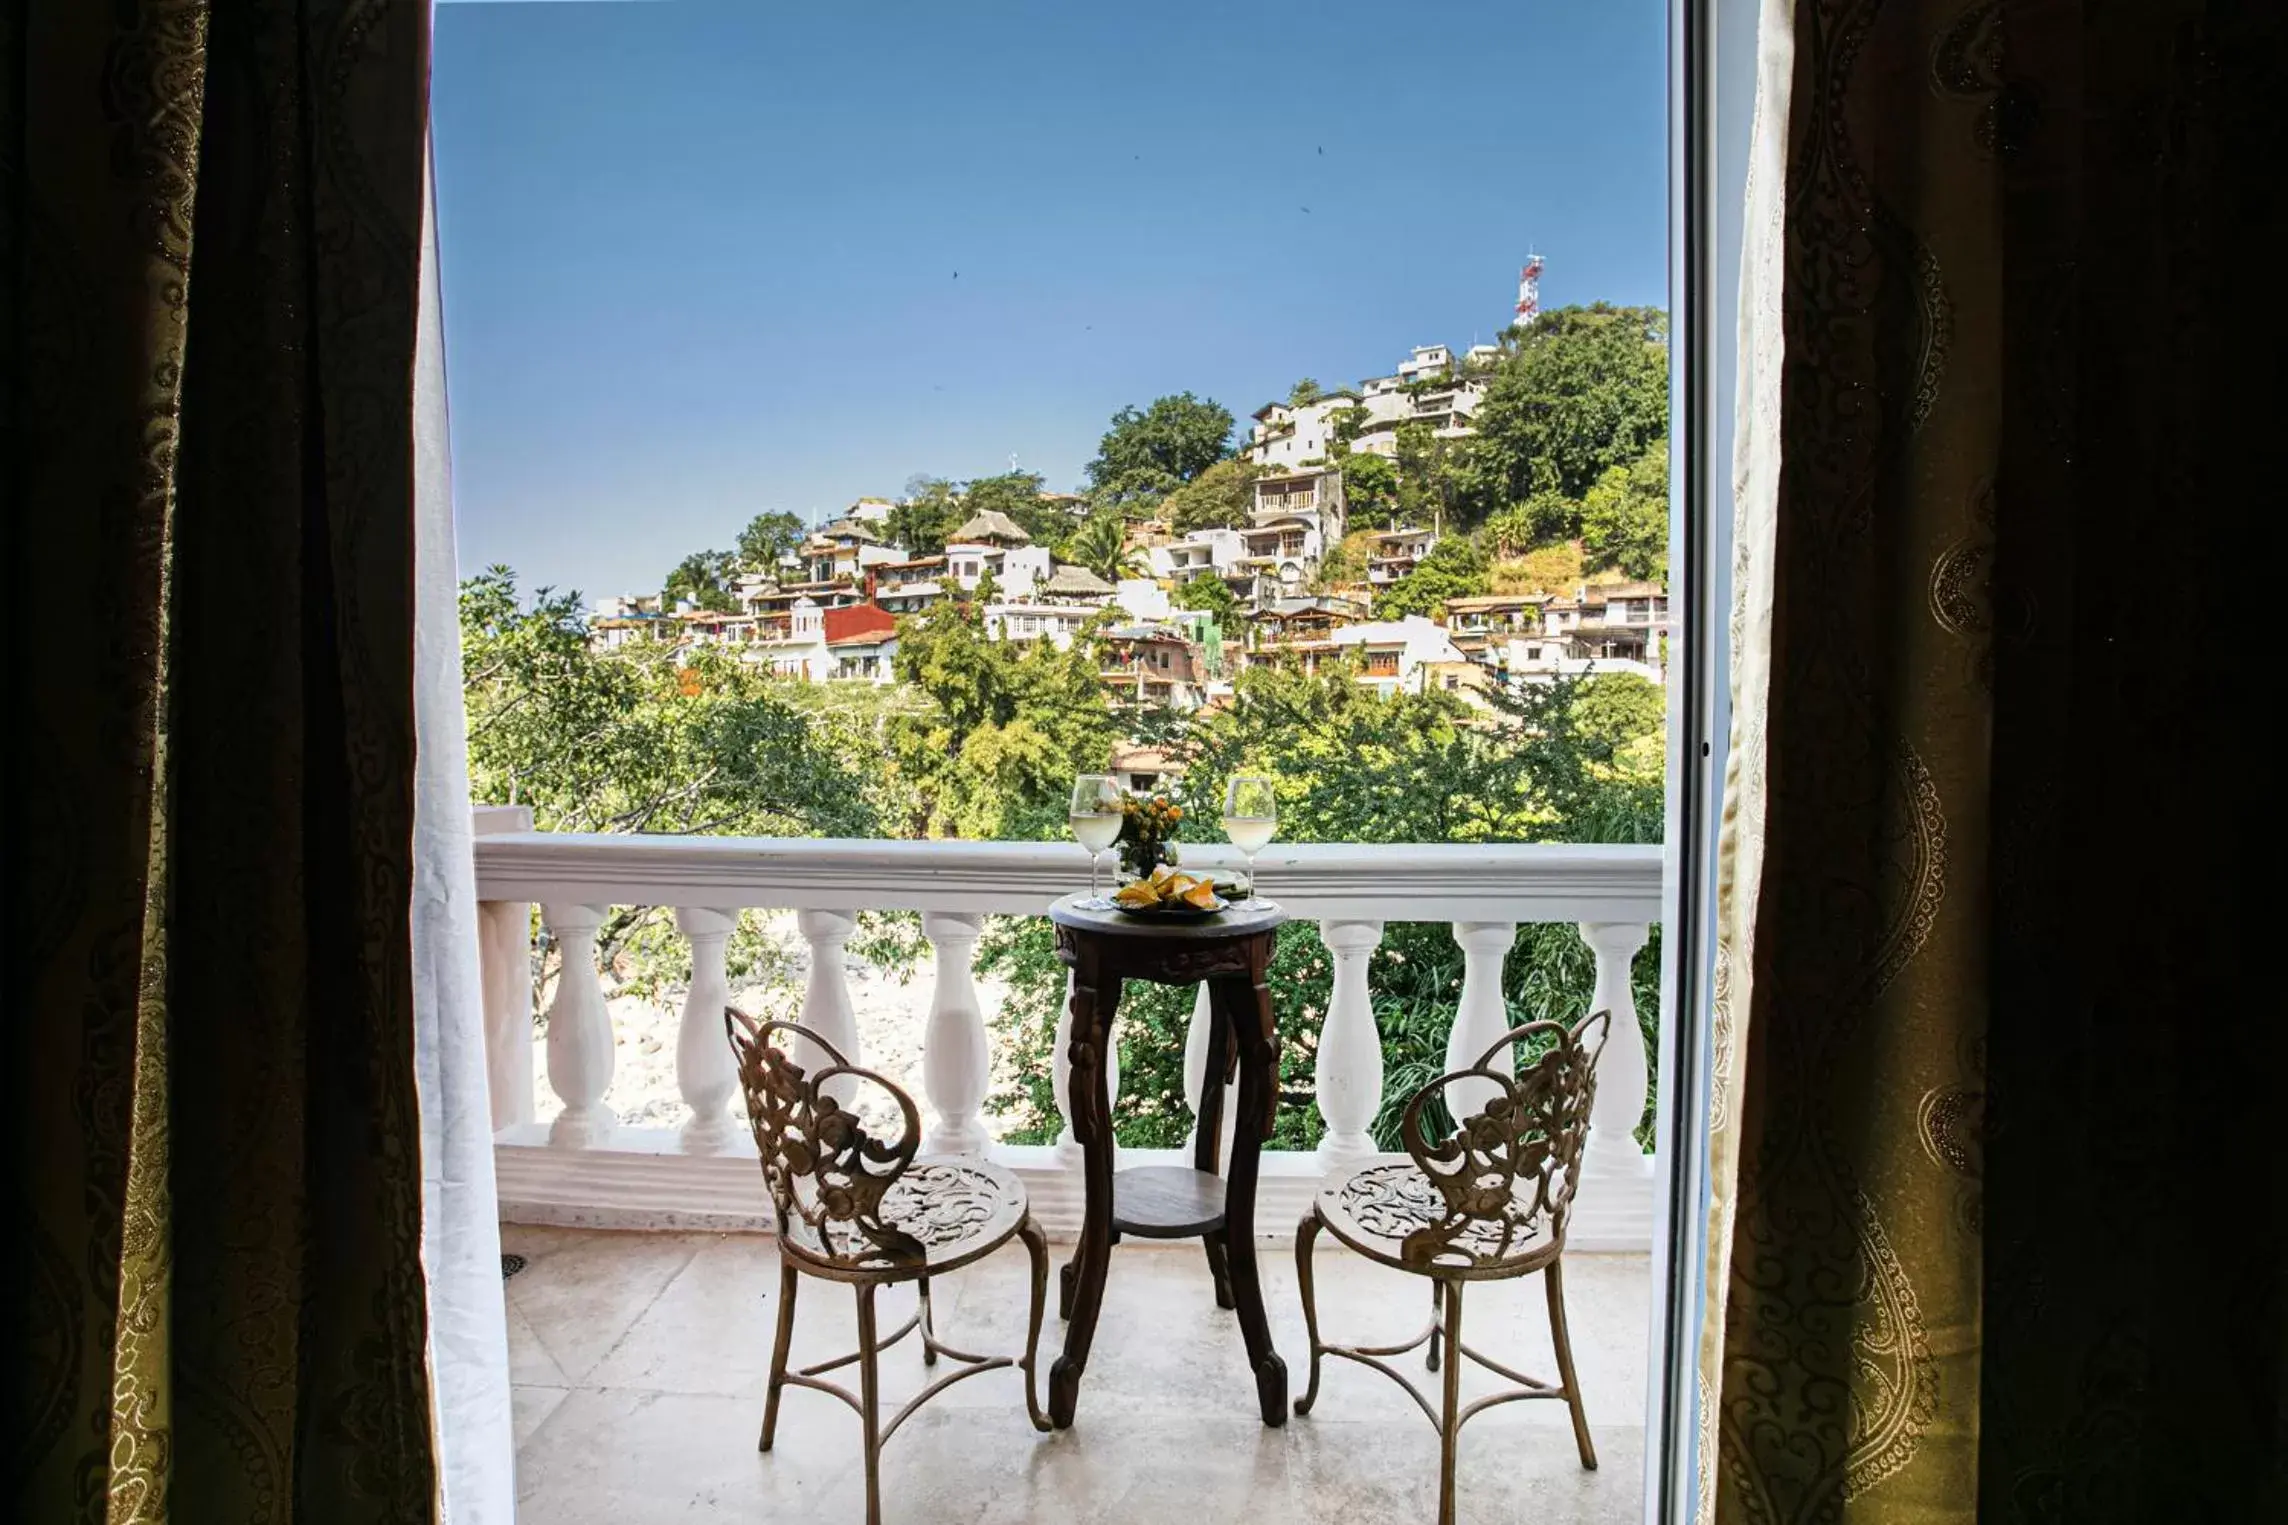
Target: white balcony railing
(585, 1168)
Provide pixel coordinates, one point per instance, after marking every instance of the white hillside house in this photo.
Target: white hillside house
(1428, 389)
(994, 542)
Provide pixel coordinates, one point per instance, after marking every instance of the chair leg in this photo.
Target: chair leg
(870, 1401)
(1553, 1281)
(789, 1281)
(1219, 1268)
(1306, 1236)
(1036, 1246)
(929, 1327)
(1437, 1312)
(1450, 1415)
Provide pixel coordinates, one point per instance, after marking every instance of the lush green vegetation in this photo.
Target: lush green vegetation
(981, 738)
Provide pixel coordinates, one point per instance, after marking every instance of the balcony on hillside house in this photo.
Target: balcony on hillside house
(639, 1324)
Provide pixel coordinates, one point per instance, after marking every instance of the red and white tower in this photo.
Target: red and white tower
(1529, 291)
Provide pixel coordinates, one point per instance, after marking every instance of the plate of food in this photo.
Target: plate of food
(1169, 895)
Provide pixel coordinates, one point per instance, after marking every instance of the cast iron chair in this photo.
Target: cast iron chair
(857, 1209)
(1487, 1203)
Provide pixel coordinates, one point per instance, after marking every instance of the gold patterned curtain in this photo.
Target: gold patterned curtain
(1983, 1244)
(210, 216)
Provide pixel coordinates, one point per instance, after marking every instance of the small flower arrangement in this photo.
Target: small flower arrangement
(1148, 827)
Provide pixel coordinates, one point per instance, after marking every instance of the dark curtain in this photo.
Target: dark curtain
(2009, 1232)
(210, 218)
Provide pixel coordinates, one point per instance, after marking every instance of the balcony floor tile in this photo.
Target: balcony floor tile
(641, 1363)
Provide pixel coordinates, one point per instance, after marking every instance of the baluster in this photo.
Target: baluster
(703, 1067)
(504, 965)
(1350, 1050)
(504, 959)
(1621, 1071)
(826, 1008)
(1060, 1075)
(1482, 1016)
(1196, 1077)
(955, 1059)
(579, 1031)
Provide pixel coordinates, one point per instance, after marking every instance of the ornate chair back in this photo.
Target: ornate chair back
(1506, 1175)
(827, 1174)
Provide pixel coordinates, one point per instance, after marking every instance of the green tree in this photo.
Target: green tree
(1221, 497)
(644, 738)
(1579, 391)
(1150, 452)
(1206, 591)
(703, 577)
(1003, 726)
(1303, 393)
(766, 538)
(1624, 519)
(1455, 568)
(1101, 545)
(925, 516)
(1370, 489)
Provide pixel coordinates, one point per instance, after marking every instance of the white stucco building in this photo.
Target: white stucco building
(994, 542)
(1428, 389)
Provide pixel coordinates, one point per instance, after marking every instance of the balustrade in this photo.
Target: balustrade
(1611, 894)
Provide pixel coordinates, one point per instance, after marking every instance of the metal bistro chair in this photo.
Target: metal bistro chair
(857, 1209)
(1487, 1203)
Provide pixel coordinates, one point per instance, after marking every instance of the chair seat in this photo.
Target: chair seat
(955, 1209)
(1392, 1212)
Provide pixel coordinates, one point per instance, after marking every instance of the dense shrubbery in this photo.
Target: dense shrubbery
(1570, 761)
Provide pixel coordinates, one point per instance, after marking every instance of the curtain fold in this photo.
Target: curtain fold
(211, 222)
(460, 1224)
(1979, 1087)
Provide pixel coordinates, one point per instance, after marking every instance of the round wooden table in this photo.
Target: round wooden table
(1229, 952)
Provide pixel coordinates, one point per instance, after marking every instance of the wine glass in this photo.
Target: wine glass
(1250, 816)
(1095, 818)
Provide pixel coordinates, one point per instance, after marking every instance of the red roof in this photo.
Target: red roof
(859, 622)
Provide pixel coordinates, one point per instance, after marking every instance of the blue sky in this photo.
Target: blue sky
(699, 258)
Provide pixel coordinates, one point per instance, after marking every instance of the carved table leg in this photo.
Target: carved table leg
(1093, 1001)
(1207, 1137)
(1243, 1007)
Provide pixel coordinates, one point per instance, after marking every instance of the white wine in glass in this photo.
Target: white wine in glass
(1250, 818)
(1096, 818)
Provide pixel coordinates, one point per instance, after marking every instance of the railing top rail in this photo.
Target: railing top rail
(1325, 882)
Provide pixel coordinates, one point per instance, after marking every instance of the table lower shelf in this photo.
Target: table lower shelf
(1166, 1202)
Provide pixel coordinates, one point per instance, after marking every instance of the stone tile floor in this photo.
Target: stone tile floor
(639, 1362)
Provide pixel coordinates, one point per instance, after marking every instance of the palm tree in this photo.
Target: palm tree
(1100, 544)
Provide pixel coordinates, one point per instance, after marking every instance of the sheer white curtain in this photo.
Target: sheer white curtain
(460, 1227)
(1755, 505)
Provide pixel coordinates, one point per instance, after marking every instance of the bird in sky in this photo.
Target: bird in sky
(1306, 209)
(1322, 153)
